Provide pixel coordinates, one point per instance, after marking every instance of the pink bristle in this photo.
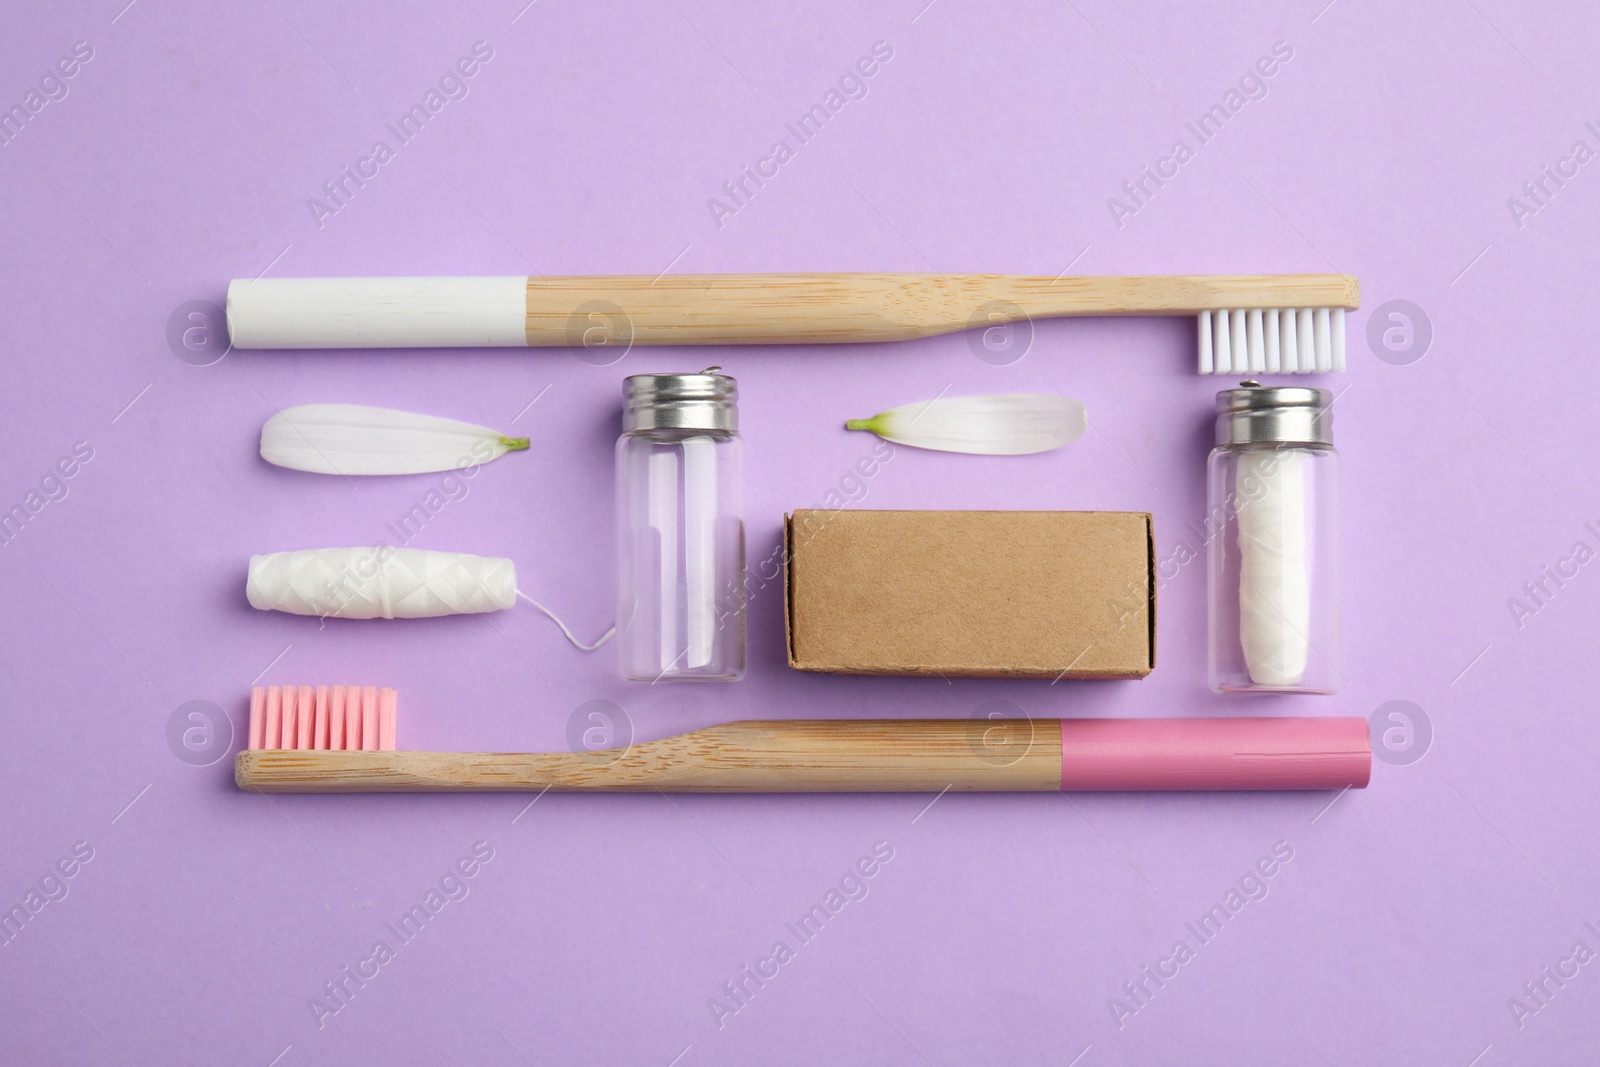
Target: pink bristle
(336, 719)
(291, 715)
(369, 718)
(306, 718)
(352, 718)
(269, 737)
(348, 718)
(388, 707)
(258, 713)
(320, 740)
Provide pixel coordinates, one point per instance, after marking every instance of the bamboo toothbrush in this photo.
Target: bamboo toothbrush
(1247, 323)
(341, 740)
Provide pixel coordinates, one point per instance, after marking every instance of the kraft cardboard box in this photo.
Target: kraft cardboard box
(981, 594)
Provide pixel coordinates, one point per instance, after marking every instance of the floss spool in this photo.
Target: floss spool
(388, 583)
(1272, 521)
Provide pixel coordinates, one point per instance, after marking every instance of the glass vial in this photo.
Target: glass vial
(1272, 523)
(680, 529)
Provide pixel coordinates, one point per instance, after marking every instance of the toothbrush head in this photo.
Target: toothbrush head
(1272, 341)
(336, 718)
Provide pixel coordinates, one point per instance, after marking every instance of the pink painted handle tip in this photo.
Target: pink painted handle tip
(1099, 755)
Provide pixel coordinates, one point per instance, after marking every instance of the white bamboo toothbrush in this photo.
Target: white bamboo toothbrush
(1261, 323)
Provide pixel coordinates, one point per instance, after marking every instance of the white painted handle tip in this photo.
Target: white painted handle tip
(378, 312)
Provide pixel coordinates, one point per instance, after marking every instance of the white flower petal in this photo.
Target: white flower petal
(1008, 424)
(355, 439)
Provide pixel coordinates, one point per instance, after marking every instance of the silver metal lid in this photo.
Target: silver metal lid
(1254, 414)
(705, 401)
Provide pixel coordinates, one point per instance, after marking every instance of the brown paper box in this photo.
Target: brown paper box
(1002, 594)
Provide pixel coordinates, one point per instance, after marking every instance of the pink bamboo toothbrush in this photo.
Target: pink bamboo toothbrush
(340, 739)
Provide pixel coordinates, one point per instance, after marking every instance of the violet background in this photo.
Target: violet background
(1387, 147)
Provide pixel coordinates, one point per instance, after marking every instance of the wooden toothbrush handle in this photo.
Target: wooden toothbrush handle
(823, 756)
(710, 309)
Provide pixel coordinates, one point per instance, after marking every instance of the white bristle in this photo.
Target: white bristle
(1288, 341)
(1272, 341)
(1224, 346)
(1270, 329)
(1258, 350)
(1324, 342)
